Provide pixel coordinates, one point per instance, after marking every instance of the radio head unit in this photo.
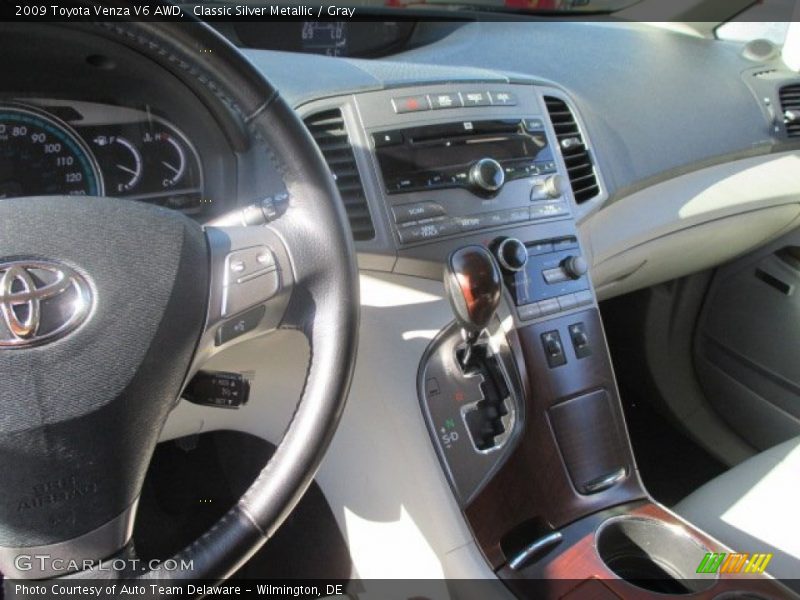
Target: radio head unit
(478, 155)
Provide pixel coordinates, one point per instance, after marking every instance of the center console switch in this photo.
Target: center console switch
(553, 277)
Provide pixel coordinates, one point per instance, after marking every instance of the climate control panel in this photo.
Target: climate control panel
(548, 277)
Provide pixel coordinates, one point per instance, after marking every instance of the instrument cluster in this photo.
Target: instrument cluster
(50, 147)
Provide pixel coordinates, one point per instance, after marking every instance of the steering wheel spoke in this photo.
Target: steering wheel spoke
(250, 285)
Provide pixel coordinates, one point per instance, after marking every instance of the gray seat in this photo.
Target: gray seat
(755, 507)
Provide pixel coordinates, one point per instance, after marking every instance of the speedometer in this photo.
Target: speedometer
(40, 156)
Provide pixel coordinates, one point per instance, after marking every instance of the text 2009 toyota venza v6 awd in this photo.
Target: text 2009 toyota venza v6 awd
(445, 299)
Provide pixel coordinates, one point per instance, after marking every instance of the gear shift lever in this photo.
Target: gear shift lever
(473, 283)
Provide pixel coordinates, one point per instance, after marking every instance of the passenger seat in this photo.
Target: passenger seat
(755, 508)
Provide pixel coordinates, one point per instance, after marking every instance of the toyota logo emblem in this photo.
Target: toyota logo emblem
(40, 302)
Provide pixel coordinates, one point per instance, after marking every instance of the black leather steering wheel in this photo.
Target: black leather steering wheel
(146, 291)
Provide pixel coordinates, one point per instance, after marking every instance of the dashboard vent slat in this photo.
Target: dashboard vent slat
(790, 105)
(580, 168)
(329, 131)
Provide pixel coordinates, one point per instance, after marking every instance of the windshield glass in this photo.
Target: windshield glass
(768, 20)
(534, 6)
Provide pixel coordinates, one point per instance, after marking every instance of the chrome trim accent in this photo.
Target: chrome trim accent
(93, 546)
(605, 482)
(536, 548)
(51, 295)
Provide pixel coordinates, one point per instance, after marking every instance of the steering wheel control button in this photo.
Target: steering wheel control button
(407, 104)
(251, 277)
(244, 323)
(214, 388)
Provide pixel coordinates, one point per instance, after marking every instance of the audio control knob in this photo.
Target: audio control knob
(574, 266)
(487, 175)
(551, 187)
(512, 254)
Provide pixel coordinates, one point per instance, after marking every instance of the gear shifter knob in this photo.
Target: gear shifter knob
(473, 283)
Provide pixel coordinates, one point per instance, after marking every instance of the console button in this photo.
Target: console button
(533, 124)
(529, 311)
(440, 101)
(427, 231)
(515, 215)
(407, 213)
(553, 349)
(503, 99)
(567, 301)
(471, 223)
(580, 340)
(584, 297)
(549, 210)
(407, 104)
(496, 218)
(387, 138)
(553, 276)
(549, 306)
(476, 99)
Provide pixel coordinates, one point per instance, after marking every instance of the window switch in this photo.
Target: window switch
(553, 349)
(580, 340)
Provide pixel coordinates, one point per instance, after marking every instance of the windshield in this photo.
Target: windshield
(533, 6)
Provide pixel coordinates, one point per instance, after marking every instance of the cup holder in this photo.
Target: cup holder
(653, 555)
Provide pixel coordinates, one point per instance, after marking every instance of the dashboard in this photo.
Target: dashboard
(73, 148)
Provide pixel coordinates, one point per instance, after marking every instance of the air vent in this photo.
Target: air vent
(328, 130)
(573, 148)
(790, 104)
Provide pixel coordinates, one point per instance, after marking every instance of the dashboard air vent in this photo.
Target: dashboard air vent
(790, 104)
(573, 148)
(329, 131)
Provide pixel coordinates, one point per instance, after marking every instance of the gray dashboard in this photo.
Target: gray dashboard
(655, 103)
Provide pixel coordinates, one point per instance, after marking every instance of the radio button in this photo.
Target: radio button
(516, 215)
(387, 138)
(549, 210)
(427, 231)
(476, 99)
(502, 99)
(497, 218)
(471, 223)
(440, 101)
(533, 124)
(407, 213)
(407, 104)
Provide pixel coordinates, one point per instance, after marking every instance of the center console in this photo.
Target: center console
(518, 393)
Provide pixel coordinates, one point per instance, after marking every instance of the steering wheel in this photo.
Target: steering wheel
(108, 307)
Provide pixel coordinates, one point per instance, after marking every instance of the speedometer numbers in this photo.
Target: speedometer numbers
(40, 156)
(146, 159)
